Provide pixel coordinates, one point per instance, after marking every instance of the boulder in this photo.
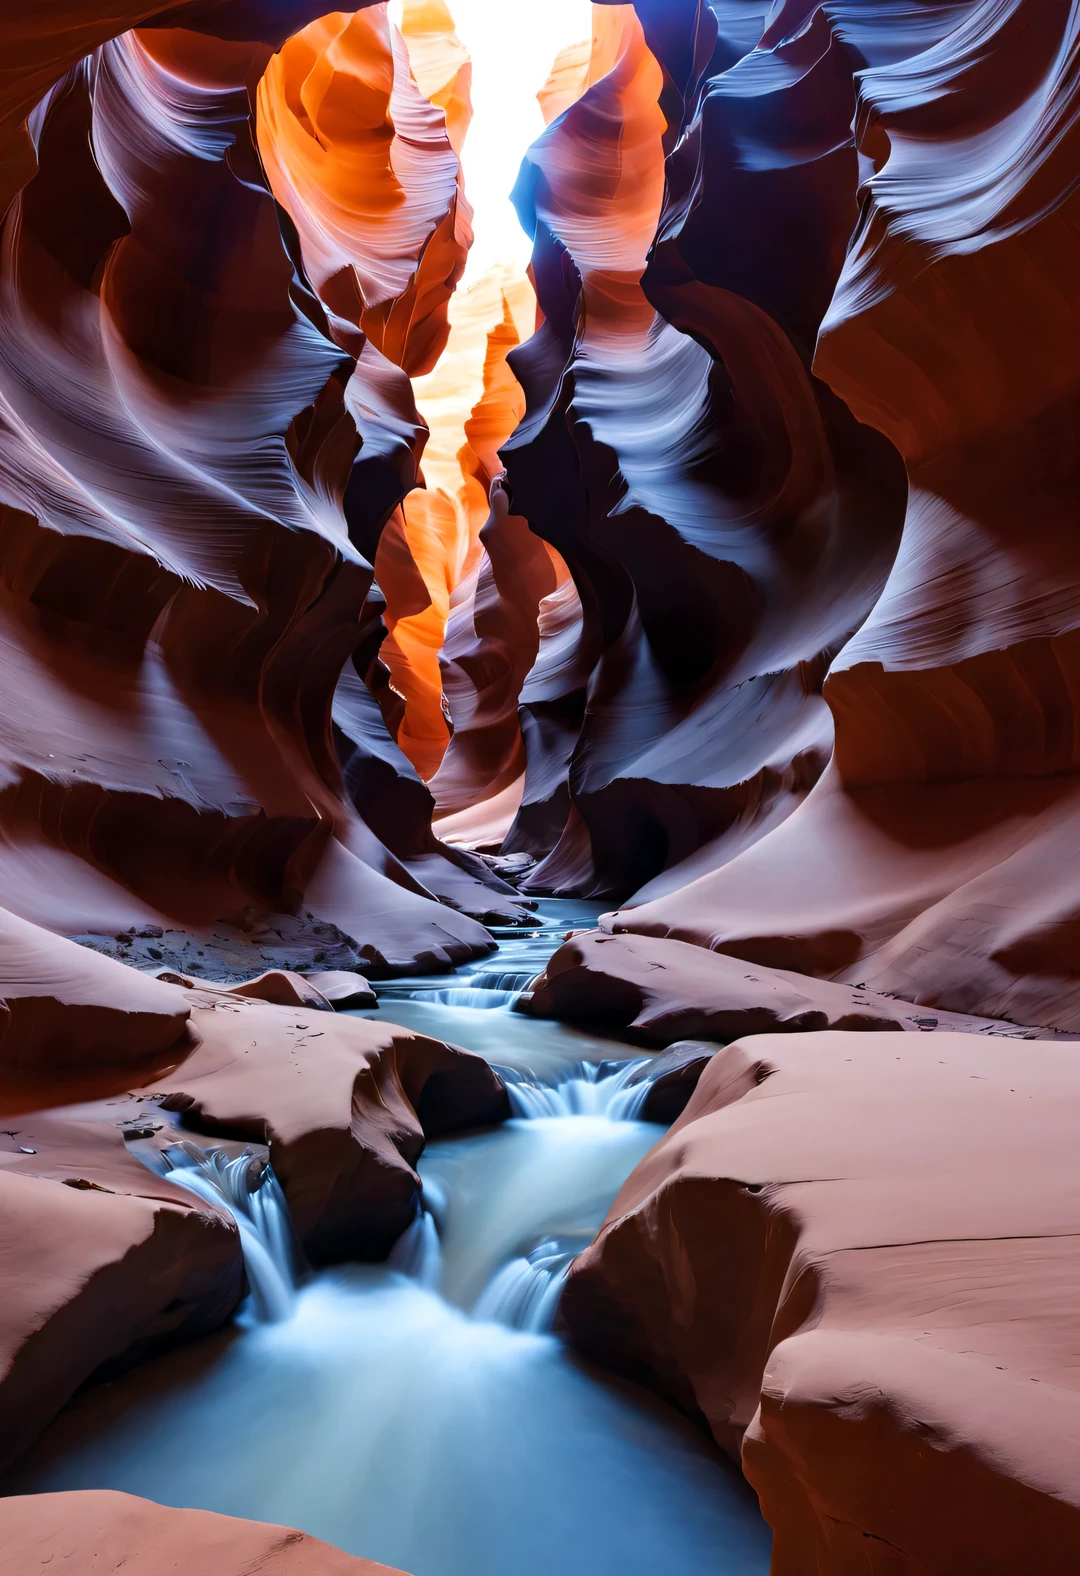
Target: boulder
(344, 1105)
(343, 990)
(100, 1259)
(672, 1078)
(284, 989)
(654, 990)
(853, 1258)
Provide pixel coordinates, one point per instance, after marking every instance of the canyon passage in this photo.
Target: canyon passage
(539, 782)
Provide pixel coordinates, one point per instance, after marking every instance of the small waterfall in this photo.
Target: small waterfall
(470, 988)
(417, 1253)
(525, 1292)
(516, 981)
(613, 1089)
(254, 1199)
(468, 996)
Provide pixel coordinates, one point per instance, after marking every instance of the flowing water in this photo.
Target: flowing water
(421, 1412)
(252, 1195)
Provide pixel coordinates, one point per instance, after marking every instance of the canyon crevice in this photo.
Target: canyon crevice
(363, 610)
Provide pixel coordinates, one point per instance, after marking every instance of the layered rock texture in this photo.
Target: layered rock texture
(934, 859)
(725, 568)
(836, 1259)
(727, 522)
(197, 455)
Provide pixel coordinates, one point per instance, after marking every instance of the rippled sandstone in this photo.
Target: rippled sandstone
(195, 463)
(935, 859)
(727, 522)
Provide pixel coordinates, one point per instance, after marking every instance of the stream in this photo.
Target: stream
(420, 1412)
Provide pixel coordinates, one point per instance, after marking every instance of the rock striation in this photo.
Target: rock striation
(767, 632)
(727, 522)
(934, 859)
(837, 1261)
(197, 456)
(363, 163)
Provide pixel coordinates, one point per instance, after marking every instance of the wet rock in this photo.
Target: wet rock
(345, 1106)
(672, 1078)
(343, 990)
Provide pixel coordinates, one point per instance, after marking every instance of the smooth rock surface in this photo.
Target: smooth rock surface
(344, 1105)
(283, 988)
(342, 989)
(65, 1007)
(99, 1533)
(98, 1258)
(854, 1258)
(656, 990)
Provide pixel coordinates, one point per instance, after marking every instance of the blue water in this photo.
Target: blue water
(402, 1416)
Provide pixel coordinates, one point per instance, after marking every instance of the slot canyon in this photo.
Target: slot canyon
(545, 543)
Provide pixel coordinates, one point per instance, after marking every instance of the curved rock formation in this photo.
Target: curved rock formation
(837, 1260)
(492, 642)
(98, 1531)
(800, 267)
(384, 786)
(65, 1008)
(342, 989)
(343, 1104)
(429, 555)
(361, 160)
(727, 523)
(655, 990)
(101, 1259)
(178, 460)
(439, 62)
(282, 988)
(936, 859)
